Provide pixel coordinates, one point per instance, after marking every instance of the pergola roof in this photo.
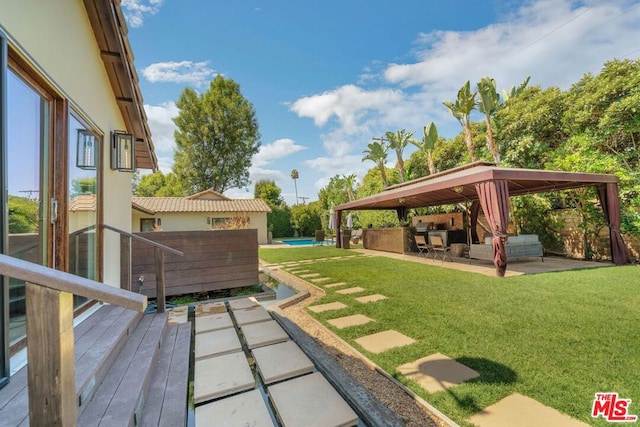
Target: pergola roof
(458, 185)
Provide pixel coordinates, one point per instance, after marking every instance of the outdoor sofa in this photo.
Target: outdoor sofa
(517, 247)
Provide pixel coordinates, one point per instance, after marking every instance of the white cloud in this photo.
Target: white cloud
(136, 10)
(196, 73)
(161, 124)
(276, 150)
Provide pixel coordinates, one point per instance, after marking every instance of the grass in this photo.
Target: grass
(293, 253)
(556, 337)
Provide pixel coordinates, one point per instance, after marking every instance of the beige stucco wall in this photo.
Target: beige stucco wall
(56, 37)
(198, 221)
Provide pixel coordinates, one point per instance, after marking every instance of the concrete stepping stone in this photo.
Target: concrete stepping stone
(281, 361)
(308, 275)
(242, 303)
(347, 321)
(210, 308)
(213, 322)
(383, 341)
(244, 409)
(348, 291)
(178, 315)
(519, 410)
(370, 298)
(216, 343)
(263, 333)
(335, 285)
(221, 376)
(327, 307)
(310, 400)
(320, 279)
(251, 315)
(437, 372)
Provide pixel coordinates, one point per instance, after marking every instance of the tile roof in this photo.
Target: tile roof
(83, 203)
(187, 204)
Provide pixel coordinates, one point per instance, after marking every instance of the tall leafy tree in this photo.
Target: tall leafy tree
(349, 185)
(268, 191)
(398, 141)
(158, 184)
(377, 153)
(488, 105)
(461, 110)
(216, 138)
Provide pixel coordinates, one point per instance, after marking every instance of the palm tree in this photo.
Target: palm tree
(428, 143)
(377, 152)
(295, 176)
(488, 105)
(398, 141)
(349, 184)
(461, 110)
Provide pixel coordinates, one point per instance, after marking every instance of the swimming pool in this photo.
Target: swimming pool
(298, 242)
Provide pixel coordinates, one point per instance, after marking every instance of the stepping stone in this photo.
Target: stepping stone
(221, 376)
(242, 303)
(327, 307)
(437, 372)
(335, 285)
(348, 291)
(320, 279)
(370, 298)
(281, 361)
(178, 315)
(347, 321)
(383, 341)
(251, 315)
(213, 322)
(310, 400)
(210, 308)
(216, 343)
(308, 275)
(263, 333)
(519, 410)
(244, 409)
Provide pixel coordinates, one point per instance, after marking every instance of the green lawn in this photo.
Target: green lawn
(556, 337)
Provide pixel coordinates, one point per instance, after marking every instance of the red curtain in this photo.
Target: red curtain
(474, 211)
(494, 199)
(608, 194)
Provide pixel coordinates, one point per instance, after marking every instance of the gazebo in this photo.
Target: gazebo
(489, 187)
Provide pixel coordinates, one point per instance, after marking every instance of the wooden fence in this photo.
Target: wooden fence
(213, 260)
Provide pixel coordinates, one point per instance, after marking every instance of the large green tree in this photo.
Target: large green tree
(216, 138)
(279, 219)
(158, 184)
(461, 110)
(377, 153)
(268, 191)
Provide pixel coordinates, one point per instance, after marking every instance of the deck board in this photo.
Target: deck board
(166, 403)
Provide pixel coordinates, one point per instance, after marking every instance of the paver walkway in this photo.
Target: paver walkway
(226, 390)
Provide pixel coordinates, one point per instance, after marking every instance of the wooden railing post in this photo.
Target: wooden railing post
(125, 262)
(160, 289)
(51, 373)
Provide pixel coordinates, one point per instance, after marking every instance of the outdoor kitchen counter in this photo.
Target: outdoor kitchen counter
(388, 239)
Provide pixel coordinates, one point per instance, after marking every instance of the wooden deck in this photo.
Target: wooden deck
(131, 369)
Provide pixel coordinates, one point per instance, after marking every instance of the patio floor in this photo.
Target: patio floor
(514, 268)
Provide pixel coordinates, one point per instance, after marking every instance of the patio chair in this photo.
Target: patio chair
(424, 248)
(356, 235)
(438, 247)
(319, 238)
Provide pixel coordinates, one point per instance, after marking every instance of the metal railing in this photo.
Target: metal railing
(125, 263)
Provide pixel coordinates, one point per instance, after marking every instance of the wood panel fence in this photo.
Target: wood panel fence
(213, 260)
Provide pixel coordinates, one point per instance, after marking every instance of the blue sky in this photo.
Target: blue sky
(327, 76)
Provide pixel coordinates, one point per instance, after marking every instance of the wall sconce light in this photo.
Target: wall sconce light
(86, 150)
(123, 151)
(401, 200)
(458, 189)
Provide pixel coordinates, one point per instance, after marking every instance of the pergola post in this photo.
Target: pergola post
(338, 217)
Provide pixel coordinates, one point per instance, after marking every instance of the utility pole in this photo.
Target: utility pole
(304, 199)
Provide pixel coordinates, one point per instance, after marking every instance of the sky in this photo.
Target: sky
(325, 77)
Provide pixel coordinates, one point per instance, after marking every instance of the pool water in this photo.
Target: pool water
(298, 242)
